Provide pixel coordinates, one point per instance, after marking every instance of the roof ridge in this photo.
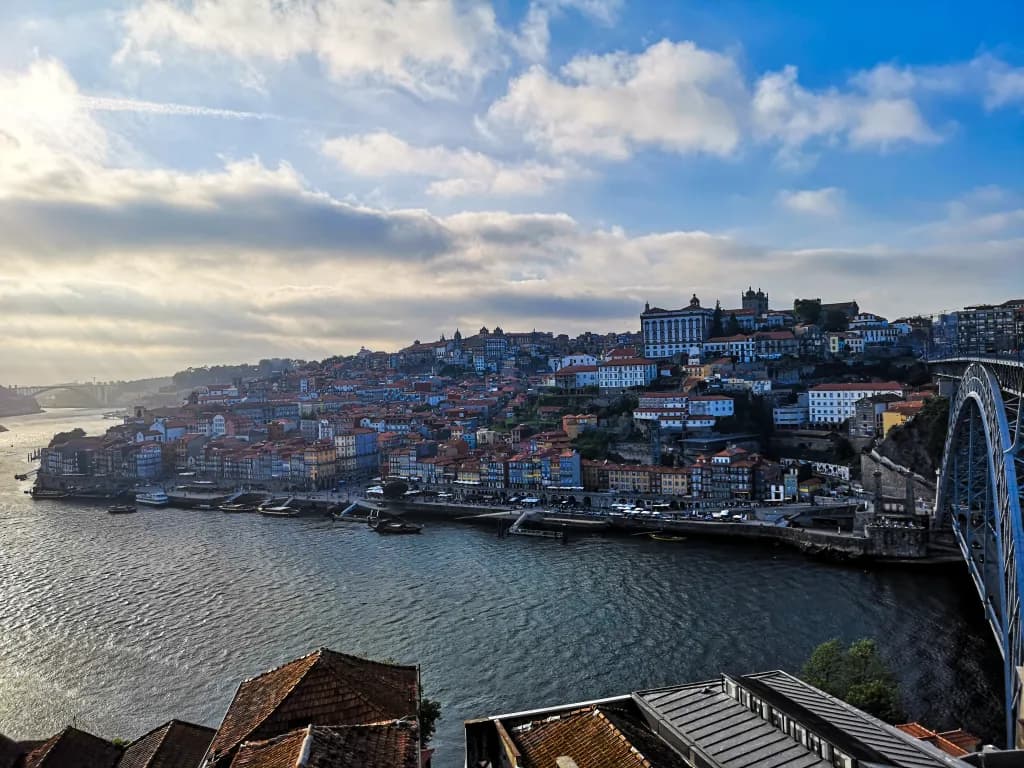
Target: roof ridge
(266, 672)
(167, 730)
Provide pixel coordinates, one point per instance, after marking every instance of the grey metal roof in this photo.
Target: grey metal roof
(725, 730)
(903, 750)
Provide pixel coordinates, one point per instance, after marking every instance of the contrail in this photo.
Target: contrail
(110, 104)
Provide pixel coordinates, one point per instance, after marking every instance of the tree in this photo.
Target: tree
(430, 713)
(807, 310)
(716, 322)
(395, 490)
(734, 325)
(858, 675)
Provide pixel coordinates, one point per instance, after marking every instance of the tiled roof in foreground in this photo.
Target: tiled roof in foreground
(602, 736)
(72, 748)
(322, 688)
(383, 745)
(175, 744)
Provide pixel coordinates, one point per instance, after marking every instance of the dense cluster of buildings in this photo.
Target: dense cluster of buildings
(507, 411)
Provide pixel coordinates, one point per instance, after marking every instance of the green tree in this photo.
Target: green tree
(716, 322)
(807, 310)
(734, 325)
(395, 490)
(858, 675)
(430, 713)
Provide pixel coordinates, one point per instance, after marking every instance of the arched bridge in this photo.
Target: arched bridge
(99, 394)
(979, 497)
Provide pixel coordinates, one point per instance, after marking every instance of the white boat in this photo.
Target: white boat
(153, 497)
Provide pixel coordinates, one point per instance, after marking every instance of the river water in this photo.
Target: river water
(119, 623)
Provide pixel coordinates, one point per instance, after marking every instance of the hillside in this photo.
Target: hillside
(918, 445)
(12, 404)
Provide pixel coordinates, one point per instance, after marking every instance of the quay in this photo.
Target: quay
(834, 532)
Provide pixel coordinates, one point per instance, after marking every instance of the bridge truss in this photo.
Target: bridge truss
(979, 496)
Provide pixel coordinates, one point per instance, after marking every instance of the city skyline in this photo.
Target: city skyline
(188, 183)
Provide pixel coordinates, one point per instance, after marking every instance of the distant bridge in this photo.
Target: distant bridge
(99, 394)
(979, 497)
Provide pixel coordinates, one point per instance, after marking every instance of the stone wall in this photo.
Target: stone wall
(893, 478)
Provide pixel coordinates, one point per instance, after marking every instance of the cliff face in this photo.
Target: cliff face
(12, 404)
(918, 444)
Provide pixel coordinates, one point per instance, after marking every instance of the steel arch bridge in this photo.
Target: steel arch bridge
(979, 497)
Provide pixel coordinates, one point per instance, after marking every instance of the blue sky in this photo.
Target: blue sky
(193, 181)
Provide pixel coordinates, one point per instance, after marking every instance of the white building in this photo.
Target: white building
(676, 400)
(834, 403)
(740, 347)
(715, 406)
(558, 363)
(790, 416)
(667, 418)
(626, 374)
(668, 332)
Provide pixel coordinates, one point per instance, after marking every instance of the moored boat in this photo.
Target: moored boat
(665, 537)
(122, 509)
(235, 508)
(46, 493)
(280, 511)
(390, 525)
(152, 497)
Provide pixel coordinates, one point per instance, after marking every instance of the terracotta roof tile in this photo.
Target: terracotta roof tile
(175, 744)
(381, 745)
(322, 688)
(72, 748)
(592, 738)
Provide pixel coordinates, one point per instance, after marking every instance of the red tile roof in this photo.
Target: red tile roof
(175, 744)
(592, 738)
(322, 688)
(72, 748)
(381, 745)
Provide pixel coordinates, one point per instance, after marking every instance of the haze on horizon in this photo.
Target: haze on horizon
(188, 182)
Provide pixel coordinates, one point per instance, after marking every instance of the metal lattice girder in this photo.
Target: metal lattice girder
(980, 496)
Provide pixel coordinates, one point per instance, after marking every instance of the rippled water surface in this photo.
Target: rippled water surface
(122, 622)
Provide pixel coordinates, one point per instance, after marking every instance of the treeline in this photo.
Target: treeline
(225, 374)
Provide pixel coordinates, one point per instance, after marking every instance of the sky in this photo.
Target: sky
(190, 182)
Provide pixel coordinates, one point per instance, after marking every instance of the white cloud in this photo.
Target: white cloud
(672, 96)
(457, 172)
(116, 270)
(827, 201)
(791, 115)
(431, 47)
(534, 31)
(112, 104)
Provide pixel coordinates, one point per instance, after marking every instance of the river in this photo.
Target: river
(119, 623)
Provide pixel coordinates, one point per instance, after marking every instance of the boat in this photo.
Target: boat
(279, 511)
(395, 526)
(46, 493)
(122, 509)
(152, 497)
(665, 537)
(236, 507)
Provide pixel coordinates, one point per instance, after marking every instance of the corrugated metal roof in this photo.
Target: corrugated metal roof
(901, 749)
(725, 730)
